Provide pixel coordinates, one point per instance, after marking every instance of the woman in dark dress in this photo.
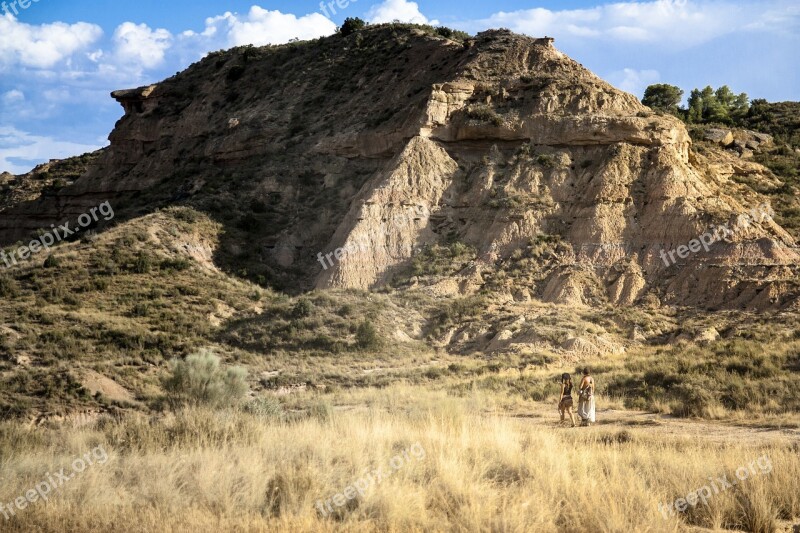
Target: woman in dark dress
(565, 402)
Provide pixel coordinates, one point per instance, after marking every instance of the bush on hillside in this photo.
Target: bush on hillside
(199, 380)
(8, 287)
(453, 35)
(352, 25)
(692, 400)
(367, 337)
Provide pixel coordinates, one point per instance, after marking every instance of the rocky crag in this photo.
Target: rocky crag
(394, 143)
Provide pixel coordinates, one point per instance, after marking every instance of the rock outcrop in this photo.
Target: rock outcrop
(357, 152)
(740, 142)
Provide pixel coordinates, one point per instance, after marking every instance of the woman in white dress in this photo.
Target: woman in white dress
(586, 399)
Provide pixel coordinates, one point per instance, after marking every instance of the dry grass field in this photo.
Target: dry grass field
(402, 458)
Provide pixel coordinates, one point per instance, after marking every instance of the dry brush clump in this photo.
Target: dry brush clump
(242, 471)
(200, 380)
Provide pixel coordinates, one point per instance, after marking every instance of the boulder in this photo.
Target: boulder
(762, 138)
(719, 136)
(707, 336)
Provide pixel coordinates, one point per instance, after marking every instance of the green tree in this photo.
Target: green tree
(695, 113)
(759, 105)
(716, 111)
(663, 97)
(708, 97)
(721, 105)
(725, 96)
(352, 25)
(741, 106)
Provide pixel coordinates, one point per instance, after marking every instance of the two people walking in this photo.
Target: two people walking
(586, 408)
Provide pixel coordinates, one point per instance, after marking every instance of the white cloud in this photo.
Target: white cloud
(95, 56)
(779, 17)
(16, 144)
(45, 45)
(634, 81)
(138, 46)
(402, 10)
(261, 26)
(13, 96)
(676, 24)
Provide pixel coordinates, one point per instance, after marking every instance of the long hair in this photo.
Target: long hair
(566, 379)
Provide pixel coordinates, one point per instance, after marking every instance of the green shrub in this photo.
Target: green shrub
(545, 160)
(178, 264)
(235, 72)
(440, 260)
(199, 380)
(51, 262)
(258, 206)
(267, 408)
(692, 400)
(484, 113)
(250, 223)
(140, 309)
(143, 263)
(54, 293)
(8, 287)
(453, 35)
(352, 25)
(367, 337)
(321, 410)
(302, 309)
(184, 214)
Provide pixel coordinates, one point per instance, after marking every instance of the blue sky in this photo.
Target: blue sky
(60, 59)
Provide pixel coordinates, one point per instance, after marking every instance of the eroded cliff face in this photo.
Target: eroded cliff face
(372, 148)
(548, 149)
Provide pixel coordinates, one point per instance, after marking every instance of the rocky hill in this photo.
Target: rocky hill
(392, 140)
(494, 172)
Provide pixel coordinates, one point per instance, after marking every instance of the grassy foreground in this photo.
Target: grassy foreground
(464, 465)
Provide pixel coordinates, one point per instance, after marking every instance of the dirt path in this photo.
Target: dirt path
(546, 414)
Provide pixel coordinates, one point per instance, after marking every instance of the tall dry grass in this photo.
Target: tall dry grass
(205, 470)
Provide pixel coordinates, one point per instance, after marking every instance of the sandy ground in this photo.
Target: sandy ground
(546, 414)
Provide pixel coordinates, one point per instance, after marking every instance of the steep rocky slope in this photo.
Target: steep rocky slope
(391, 141)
